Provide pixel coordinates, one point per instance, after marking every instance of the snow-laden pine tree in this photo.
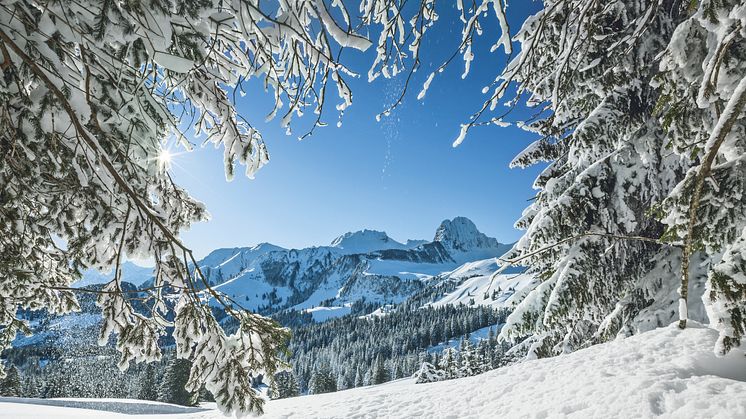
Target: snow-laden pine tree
(359, 377)
(428, 374)
(322, 380)
(639, 107)
(285, 385)
(703, 84)
(468, 363)
(381, 374)
(449, 364)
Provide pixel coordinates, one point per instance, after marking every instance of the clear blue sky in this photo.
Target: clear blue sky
(400, 175)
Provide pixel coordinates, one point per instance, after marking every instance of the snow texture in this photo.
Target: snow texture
(666, 373)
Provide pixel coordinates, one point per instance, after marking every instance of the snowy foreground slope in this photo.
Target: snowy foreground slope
(663, 373)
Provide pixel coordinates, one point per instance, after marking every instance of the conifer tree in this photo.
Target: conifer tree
(702, 101)
(358, 377)
(449, 364)
(148, 384)
(380, 373)
(322, 380)
(639, 114)
(172, 388)
(468, 364)
(428, 374)
(11, 385)
(285, 385)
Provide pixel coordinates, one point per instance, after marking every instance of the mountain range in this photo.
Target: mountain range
(365, 265)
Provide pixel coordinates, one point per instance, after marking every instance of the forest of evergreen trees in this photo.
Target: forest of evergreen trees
(350, 351)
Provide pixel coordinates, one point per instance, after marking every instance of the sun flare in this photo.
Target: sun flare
(164, 158)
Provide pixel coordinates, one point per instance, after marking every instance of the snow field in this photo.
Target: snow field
(664, 373)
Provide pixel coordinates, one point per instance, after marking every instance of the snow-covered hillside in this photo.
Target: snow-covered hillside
(663, 373)
(667, 373)
(475, 285)
(367, 241)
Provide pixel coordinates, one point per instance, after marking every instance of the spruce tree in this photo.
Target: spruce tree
(358, 377)
(380, 373)
(640, 121)
(148, 385)
(285, 385)
(175, 378)
(322, 380)
(10, 386)
(702, 101)
(449, 364)
(468, 364)
(428, 374)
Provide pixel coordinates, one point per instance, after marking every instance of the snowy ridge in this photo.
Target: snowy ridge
(131, 273)
(367, 241)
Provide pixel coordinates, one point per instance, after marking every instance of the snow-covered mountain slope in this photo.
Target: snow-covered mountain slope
(361, 265)
(666, 373)
(366, 264)
(131, 273)
(474, 285)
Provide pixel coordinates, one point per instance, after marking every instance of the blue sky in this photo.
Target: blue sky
(400, 175)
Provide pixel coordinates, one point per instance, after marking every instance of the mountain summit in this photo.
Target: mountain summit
(365, 241)
(462, 236)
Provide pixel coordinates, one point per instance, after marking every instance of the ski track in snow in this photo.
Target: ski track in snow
(664, 373)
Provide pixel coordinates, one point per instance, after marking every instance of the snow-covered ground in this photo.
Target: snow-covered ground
(19, 408)
(666, 373)
(322, 314)
(663, 373)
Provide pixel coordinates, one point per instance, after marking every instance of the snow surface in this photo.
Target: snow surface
(322, 314)
(667, 373)
(21, 408)
(407, 270)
